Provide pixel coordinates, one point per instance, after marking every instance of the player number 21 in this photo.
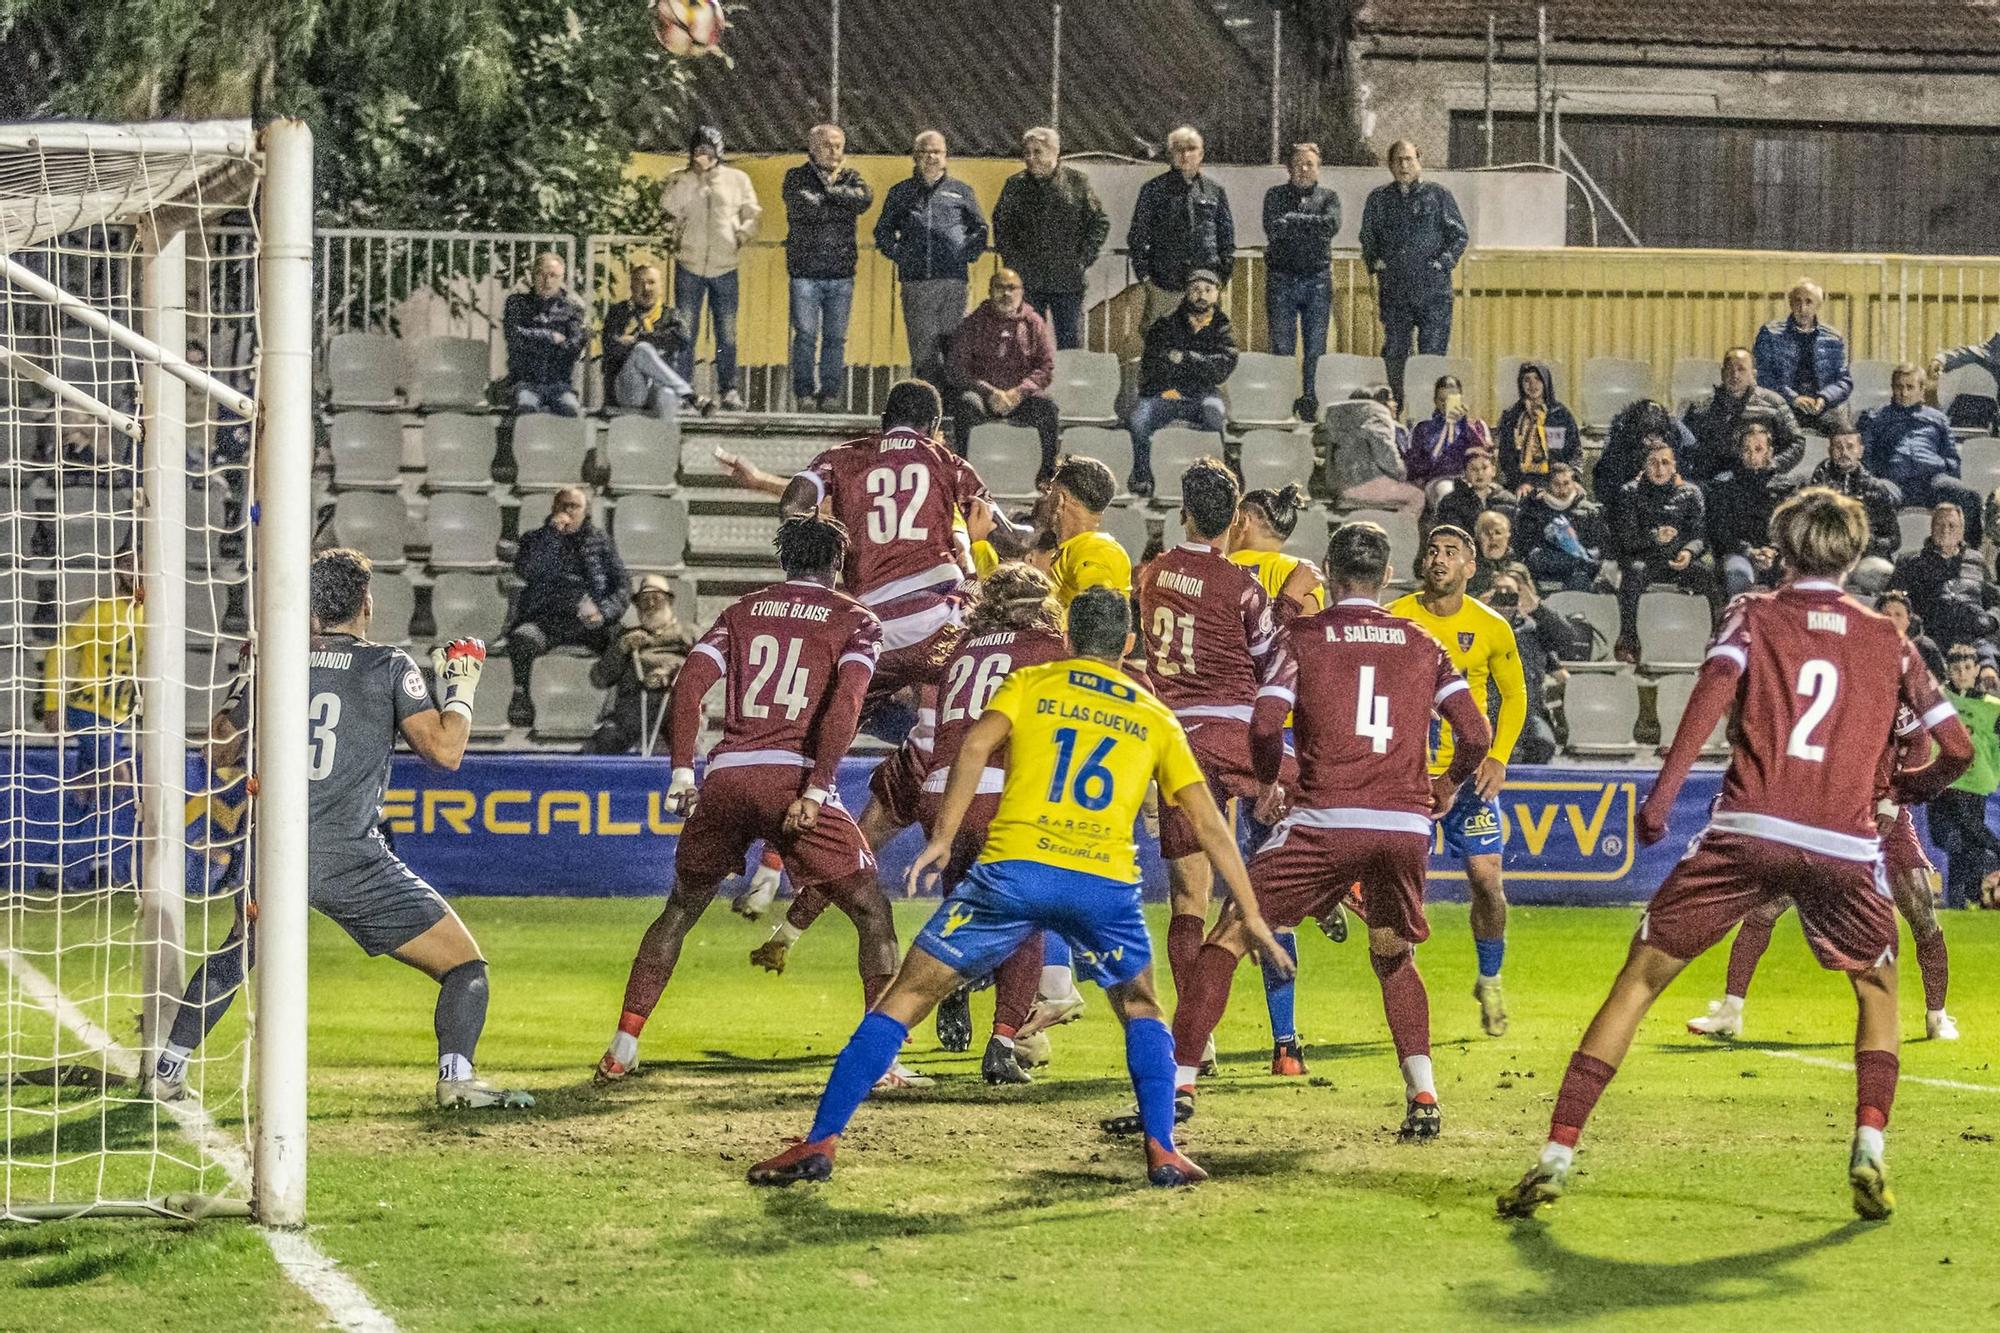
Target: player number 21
(1819, 681)
(1165, 623)
(891, 517)
(790, 694)
(1092, 786)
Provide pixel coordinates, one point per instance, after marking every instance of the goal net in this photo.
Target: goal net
(131, 446)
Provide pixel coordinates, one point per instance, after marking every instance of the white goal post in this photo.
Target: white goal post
(156, 448)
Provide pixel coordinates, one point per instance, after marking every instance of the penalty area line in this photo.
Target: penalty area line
(1821, 1062)
(303, 1263)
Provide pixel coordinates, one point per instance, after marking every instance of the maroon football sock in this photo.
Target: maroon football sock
(1935, 963)
(1184, 934)
(1406, 1002)
(806, 906)
(1014, 983)
(873, 986)
(1583, 1083)
(1874, 1087)
(642, 994)
(1199, 1006)
(1752, 938)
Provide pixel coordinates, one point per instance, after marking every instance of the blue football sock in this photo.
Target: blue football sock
(1490, 952)
(1279, 992)
(866, 1057)
(1149, 1057)
(1055, 950)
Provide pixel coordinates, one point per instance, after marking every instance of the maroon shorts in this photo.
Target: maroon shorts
(918, 664)
(1303, 871)
(1901, 852)
(737, 806)
(1222, 748)
(1844, 906)
(897, 783)
(971, 839)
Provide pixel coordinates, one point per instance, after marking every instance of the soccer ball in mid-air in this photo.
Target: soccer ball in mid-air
(688, 27)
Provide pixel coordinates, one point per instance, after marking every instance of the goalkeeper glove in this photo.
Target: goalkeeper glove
(458, 665)
(680, 792)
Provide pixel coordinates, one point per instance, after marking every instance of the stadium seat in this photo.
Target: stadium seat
(1174, 449)
(1506, 381)
(1402, 530)
(1964, 380)
(1309, 534)
(1339, 374)
(732, 536)
(447, 372)
(566, 703)
(458, 452)
(1421, 372)
(374, 523)
(1694, 379)
(207, 521)
(208, 669)
(1262, 388)
(1915, 525)
(367, 451)
(1871, 385)
(1673, 628)
(1599, 610)
(1601, 708)
(1109, 445)
(496, 687)
(395, 603)
(1132, 527)
(467, 604)
(643, 453)
(464, 531)
(1006, 458)
(1611, 383)
(364, 370)
(1980, 463)
(549, 450)
(652, 532)
(1670, 702)
(1086, 385)
(1815, 454)
(1272, 458)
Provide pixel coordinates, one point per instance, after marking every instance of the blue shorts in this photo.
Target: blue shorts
(100, 744)
(1000, 903)
(1472, 826)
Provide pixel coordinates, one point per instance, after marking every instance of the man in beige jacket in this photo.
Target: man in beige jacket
(712, 211)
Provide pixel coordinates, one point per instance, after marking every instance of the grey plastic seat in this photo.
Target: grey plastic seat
(1085, 385)
(464, 531)
(1815, 454)
(496, 688)
(1871, 385)
(466, 604)
(566, 703)
(1175, 448)
(1131, 526)
(1007, 457)
(367, 451)
(395, 603)
(652, 532)
(1693, 381)
(1309, 535)
(1421, 372)
(458, 452)
(1980, 463)
(1670, 701)
(732, 536)
(1274, 458)
(1915, 527)
(643, 453)
(1109, 445)
(1403, 535)
(1964, 380)
(364, 370)
(1262, 388)
(1611, 383)
(447, 372)
(549, 450)
(1339, 374)
(374, 523)
(1597, 609)
(1673, 629)
(1601, 708)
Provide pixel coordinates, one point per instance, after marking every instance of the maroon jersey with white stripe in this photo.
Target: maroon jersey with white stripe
(1820, 680)
(898, 493)
(780, 650)
(1206, 626)
(1362, 685)
(970, 678)
(1910, 747)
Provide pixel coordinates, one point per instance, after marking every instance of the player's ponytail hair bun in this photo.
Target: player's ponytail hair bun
(1279, 508)
(1015, 596)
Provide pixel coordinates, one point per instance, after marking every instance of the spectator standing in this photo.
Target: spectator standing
(1188, 354)
(1364, 446)
(824, 199)
(639, 669)
(573, 591)
(1439, 443)
(544, 331)
(1049, 227)
(1493, 546)
(1627, 442)
(1537, 431)
(1802, 360)
(713, 210)
(1739, 504)
(1842, 471)
(1412, 235)
(931, 229)
(1657, 526)
(1476, 491)
(1561, 533)
(1948, 584)
(1738, 399)
(1544, 641)
(1180, 224)
(643, 340)
(1958, 814)
(1906, 442)
(1301, 218)
(1002, 359)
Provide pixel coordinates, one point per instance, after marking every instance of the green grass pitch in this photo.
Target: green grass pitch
(1712, 1188)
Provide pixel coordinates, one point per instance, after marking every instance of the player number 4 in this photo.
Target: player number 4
(791, 690)
(1819, 681)
(1371, 714)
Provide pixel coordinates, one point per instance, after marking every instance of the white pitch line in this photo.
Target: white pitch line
(303, 1263)
(1821, 1062)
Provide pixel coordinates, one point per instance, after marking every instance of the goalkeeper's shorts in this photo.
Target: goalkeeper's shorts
(373, 896)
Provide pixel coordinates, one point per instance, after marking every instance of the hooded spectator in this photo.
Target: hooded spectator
(1536, 431)
(1626, 442)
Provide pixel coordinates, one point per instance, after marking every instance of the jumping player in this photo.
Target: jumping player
(1481, 644)
(1808, 671)
(1084, 742)
(796, 659)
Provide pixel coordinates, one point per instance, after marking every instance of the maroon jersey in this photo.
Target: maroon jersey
(970, 678)
(1819, 680)
(1911, 739)
(1206, 626)
(779, 650)
(1362, 685)
(898, 494)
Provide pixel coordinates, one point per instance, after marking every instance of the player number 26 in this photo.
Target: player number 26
(1091, 788)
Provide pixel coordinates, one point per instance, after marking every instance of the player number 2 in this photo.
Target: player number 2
(323, 717)
(897, 502)
(1165, 626)
(1092, 786)
(1819, 681)
(1371, 714)
(985, 682)
(791, 690)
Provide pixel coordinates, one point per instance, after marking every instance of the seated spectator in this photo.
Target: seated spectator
(1002, 359)
(1545, 640)
(1802, 360)
(573, 590)
(1476, 490)
(1739, 398)
(1627, 441)
(1842, 471)
(544, 328)
(1189, 352)
(1363, 445)
(1947, 583)
(639, 668)
(1895, 604)
(1911, 445)
(1657, 527)
(1536, 431)
(1560, 532)
(1493, 547)
(1439, 443)
(643, 338)
(1739, 505)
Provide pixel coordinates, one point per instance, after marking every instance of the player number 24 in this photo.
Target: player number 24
(1819, 682)
(790, 694)
(897, 500)
(1092, 785)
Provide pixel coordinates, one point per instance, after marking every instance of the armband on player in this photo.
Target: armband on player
(818, 795)
(1887, 809)
(458, 666)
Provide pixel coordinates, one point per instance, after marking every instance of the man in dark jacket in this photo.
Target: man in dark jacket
(1180, 223)
(1301, 218)
(1947, 583)
(1842, 471)
(1802, 360)
(1412, 235)
(1908, 443)
(1002, 359)
(1738, 399)
(1049, 228)
(1188, 355)
(639, 668)
(1536, 432)
(931, 229)
(1545, 641)
(1739, 505)
(573, 590)
(1657, 527)
(1476, 490)
(1561, 533)
(643, 338)
(544, 328)
(823, 199)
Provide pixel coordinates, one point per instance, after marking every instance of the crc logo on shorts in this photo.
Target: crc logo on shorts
(1482, 823)
(958, 915)
(413, 684)
(1465, 638)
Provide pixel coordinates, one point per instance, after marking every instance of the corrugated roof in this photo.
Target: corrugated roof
(1957, 27)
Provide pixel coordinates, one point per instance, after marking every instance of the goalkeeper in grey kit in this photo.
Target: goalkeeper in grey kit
(363, 694)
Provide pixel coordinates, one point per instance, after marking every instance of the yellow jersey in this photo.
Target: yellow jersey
(1480, 643)
(984, 559)
(95, 667)
(1274, 569)
(1089, 560)
(1085, 743)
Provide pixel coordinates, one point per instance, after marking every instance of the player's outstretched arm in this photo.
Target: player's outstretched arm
(1708, 704)
(749, 476)
(1513, 686)
(439, 737)
(988, 734)
(702, 669)
(1914, 786)
(1219, 842)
